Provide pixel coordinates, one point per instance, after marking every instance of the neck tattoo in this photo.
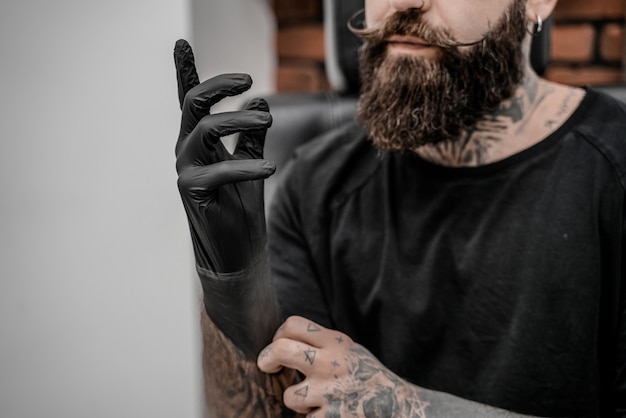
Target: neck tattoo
(485, 141)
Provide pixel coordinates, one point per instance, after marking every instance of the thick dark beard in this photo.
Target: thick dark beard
(407, 102)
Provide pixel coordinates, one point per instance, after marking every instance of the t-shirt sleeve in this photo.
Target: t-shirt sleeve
(295, 276)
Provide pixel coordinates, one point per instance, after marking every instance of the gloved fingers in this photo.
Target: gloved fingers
(196, 181)
(250, 144)
(186, 73)
(207, 133)
(228, 123)
(199, 100)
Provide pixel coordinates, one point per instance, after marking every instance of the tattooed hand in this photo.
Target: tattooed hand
(343, 379)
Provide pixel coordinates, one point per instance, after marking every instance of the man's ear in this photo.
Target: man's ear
(536, 9)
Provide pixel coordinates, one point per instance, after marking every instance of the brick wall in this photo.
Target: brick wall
(588, 44)
(300, 46)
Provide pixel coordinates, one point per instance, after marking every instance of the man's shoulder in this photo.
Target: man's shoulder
(339, 157)
(603, 126)
(606, 111)
(335, 146)
(330, 168)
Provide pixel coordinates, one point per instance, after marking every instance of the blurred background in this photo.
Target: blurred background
(586, 44)
(98, 299)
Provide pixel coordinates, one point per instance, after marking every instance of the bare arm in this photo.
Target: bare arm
(233, 384)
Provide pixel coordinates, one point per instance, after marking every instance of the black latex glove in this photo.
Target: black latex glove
(223, 197)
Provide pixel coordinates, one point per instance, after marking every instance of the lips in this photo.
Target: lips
(407, 40)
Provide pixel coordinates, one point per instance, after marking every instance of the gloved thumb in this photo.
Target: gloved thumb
(210, 177)
(250, 144)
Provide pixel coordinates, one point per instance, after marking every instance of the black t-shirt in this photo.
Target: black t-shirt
(502, 284)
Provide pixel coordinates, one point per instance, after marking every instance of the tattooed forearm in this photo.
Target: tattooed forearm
(234, 386)
(372, 391)
(343, 379)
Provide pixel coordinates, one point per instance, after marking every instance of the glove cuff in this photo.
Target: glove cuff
(243, 305)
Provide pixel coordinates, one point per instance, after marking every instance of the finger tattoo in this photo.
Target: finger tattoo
(309, 356)
(302, 392)
(313, 328)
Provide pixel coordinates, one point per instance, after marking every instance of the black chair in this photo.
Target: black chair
(299, 117)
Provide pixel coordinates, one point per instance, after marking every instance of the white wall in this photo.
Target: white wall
(235, 36)
(98, 299)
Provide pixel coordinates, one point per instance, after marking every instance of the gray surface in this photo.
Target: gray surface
(99, 306)
(618, 91)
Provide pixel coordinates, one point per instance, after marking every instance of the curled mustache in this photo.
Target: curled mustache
(408, 23)
(408, 101)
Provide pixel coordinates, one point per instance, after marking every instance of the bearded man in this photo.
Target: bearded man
(456, 251)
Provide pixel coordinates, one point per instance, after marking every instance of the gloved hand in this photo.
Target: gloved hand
(223, 197)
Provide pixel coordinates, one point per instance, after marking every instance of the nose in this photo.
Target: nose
(402, 5)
